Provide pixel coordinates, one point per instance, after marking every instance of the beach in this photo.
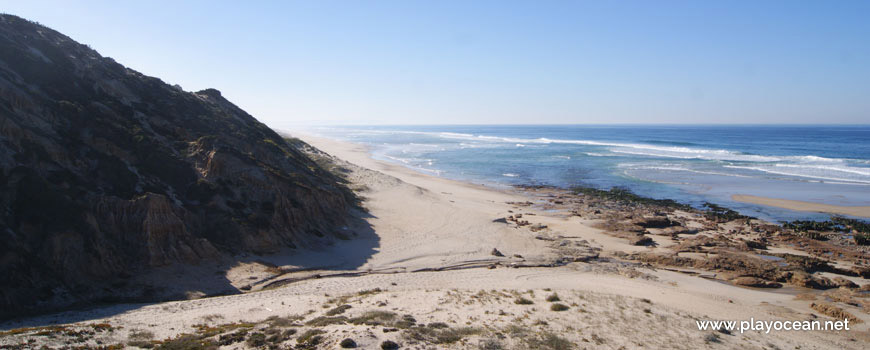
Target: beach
(859, 211)
(486, 262)
(434, 175)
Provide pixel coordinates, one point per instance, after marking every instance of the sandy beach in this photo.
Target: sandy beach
(859, 211)
(439, 251)
(458, 175)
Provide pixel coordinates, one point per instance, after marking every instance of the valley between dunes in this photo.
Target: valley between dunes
(427, 258)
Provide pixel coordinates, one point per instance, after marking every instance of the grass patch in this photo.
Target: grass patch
(523, 301)
(276, 335)
(540, 340)
(338, 310)
(288, 321)
(310, 338)
(323, 321)
(553, 298)
(551, 341)
(407, 321)
(374, 318)
(256, 340)
(188, 342)
(232, 338)
(208, 331)
(440, 335)
(141, 339)
(367, 292)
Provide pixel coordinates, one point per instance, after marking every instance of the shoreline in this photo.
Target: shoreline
(803, 206)
(795, 206)
(447, 251)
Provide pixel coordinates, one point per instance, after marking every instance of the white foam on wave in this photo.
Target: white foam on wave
(820, 176)
(844, 169)
(676, 152)
(803, 166)
(635, 148)
(696, 154)
(510, 175)
(677, 168)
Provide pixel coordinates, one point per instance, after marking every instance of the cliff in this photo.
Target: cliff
(105, 171)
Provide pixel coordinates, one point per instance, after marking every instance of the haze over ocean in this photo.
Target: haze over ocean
(826, 164)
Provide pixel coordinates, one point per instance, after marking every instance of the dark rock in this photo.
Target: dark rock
(755, 282)
(654, 222)
(495, 252)
(640, 240)
(347, 343)
(500, 220)
(389, 345)
(844, 283)
(537, 227)
(755, 244)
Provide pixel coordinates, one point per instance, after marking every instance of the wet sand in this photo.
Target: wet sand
(859, 211)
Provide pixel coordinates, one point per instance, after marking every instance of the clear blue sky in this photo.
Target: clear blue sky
(431, 62)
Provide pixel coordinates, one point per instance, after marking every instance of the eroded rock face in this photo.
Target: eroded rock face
(105, 171)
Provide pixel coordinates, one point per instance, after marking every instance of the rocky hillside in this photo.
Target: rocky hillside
(105, 171)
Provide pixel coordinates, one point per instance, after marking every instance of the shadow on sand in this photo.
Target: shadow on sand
(210, 279)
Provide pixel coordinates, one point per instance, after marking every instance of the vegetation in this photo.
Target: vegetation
(326, 321)
(523, 301)
(440, 335)
(310, 338)
(374, 318)
(338, 310)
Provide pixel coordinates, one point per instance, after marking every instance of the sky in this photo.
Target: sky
(292, 63)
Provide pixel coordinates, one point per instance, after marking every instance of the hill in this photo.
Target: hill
(105, 171)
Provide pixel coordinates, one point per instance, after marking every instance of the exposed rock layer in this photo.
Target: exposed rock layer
(105, 171)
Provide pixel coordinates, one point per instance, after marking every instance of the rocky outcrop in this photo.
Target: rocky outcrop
(755, 282)
(653, 222)
(105, 171)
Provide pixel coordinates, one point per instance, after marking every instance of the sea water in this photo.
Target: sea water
(687, 163)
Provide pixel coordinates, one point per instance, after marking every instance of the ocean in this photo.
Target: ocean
(688, 163)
